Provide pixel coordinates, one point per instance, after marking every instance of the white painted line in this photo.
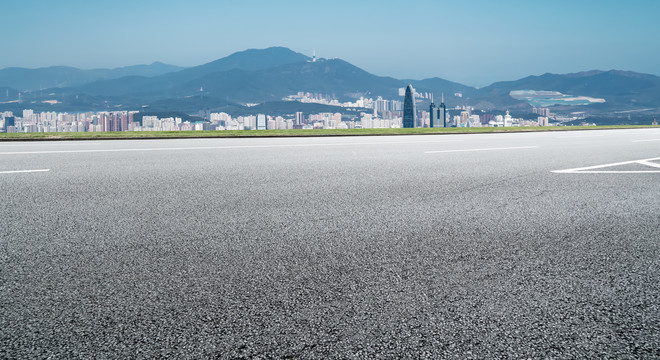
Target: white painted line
(578, 136)
(648, 163)
(646, 140)
(50, 143)
(610, 172)
(214, 147)
(23, 171)
(484, 149)
(591, 169)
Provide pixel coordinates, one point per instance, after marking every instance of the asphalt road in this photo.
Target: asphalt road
(436, 246)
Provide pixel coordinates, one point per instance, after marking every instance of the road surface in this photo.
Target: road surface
(527, 245)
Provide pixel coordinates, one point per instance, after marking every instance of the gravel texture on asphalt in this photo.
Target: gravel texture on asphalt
(331, 248)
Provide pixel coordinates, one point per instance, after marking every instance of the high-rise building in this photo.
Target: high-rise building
(465, 118)
(271, 124)
(10, 121)
(543, 120)
(27, 114)
(438, 115)
(122, 121)
(433, 113)
(397, 105)
(423, 119)
(542, 111)
(300, 118)
(409, 111)
(261, 122)
(381, 106)
(442, 112)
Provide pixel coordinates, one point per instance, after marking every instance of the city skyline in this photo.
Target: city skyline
(475, 43)
(29, 121)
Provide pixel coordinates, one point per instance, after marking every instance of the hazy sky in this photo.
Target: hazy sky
(472, 42)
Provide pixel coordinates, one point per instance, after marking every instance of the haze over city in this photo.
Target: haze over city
(471, 42)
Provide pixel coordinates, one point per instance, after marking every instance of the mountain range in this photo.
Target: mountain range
(64, 76)
(265, 76)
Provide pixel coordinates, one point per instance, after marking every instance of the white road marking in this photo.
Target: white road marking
(217, 147)
(578, 136)
(648, 163)
(591, 169)
(23, 171)
(50, 143)
(609, 172)
(483, 149)
(646, 140)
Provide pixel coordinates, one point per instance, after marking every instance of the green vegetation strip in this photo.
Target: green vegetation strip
(290, 133)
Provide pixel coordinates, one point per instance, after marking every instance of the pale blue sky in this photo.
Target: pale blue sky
(472, 42)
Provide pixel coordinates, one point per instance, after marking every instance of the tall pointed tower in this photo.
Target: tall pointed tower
(409, 111)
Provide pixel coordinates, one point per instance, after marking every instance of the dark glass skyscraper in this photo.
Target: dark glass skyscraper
(438, 114)
(10, 121)
(433, 114)
(409, 111)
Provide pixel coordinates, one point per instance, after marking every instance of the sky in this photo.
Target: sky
(472, 42)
